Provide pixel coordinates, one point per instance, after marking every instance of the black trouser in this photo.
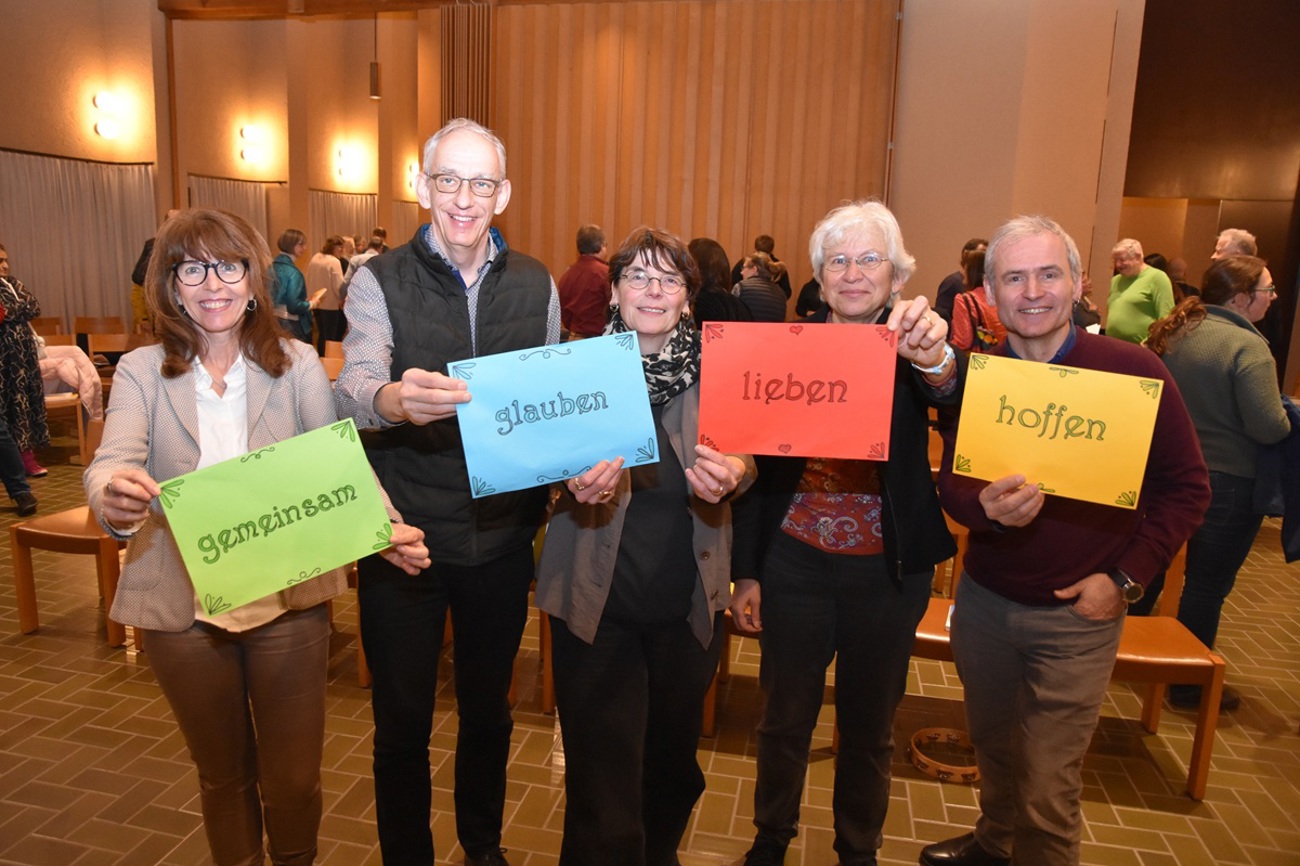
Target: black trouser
(402, 620)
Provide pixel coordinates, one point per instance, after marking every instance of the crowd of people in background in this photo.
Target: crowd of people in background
(823, 560)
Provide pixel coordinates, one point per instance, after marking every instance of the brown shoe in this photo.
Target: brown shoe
(962, 851)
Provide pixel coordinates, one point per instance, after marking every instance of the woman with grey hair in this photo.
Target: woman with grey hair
(834, 558)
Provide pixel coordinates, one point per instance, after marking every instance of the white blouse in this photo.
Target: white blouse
(223, 435)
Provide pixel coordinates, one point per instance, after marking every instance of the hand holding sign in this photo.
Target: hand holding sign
(127, 496)
(407, 550)
(921, 333)
(1012, 502)
(714, 474)
(597, 483)
(421, 397)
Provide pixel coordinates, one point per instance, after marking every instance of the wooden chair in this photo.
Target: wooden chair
(114, 345)
(98, 325)
(1157, 650)
(70, 402)
(333, 348)
(333, 366)
(84, 326)
(59, 339)
(46, 326)
(71, 531)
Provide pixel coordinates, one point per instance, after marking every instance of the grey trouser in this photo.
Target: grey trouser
(1034, 678)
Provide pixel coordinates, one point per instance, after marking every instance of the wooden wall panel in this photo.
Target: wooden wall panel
(726, 118)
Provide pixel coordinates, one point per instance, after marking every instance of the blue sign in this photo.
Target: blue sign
(547, 414)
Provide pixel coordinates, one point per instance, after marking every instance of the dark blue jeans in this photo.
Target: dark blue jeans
(11, 463)
(630, 711)
(816, 607)
(402, 619)
(1214, 556)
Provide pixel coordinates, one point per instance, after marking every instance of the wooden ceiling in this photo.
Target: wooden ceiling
(263, 9)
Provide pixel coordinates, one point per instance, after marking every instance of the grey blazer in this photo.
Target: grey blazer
(152, 423)
(581, 546)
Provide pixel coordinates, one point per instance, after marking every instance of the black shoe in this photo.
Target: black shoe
(962, 851)
(26, 504)
(1190, 698)
(491, 858)
(765, 852)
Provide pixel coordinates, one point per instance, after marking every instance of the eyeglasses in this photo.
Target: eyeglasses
(1271, 291)
(483, 187)
(193, 273)
(669, 284)
(865, 262)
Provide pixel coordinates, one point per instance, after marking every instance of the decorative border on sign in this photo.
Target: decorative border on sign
(345, 430)
(563, 476)
(546, 353)
(171, 491)
(384, 537)
(647, 452)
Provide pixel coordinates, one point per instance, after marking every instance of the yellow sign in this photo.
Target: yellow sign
(1082, 434)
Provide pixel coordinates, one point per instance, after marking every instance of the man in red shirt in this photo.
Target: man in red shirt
(584, 288)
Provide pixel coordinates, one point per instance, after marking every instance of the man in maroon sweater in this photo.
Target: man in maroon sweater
(584, 289)
(1039, 612)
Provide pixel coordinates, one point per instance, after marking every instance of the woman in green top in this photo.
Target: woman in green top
(1229, 382)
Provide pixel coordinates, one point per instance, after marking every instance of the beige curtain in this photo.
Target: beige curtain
(340, 213)
(247, 198)
(74, 229)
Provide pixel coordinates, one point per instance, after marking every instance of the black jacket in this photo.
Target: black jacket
(915, 533)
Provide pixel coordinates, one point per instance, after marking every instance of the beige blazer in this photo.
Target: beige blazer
(152, 423)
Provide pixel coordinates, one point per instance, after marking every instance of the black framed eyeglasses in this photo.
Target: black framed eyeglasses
(195, 273)
(450, 184)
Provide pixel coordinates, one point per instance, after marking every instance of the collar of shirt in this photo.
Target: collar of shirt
(223, 420)
(1070, 339)
(495, 245)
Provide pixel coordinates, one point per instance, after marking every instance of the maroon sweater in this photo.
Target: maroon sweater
(1070, 539)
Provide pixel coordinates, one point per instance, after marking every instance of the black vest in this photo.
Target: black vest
(423, 466)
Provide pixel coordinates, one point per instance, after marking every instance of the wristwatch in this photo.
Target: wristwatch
(1129, 589)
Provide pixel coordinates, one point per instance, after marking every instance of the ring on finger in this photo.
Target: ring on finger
(108, 488)
(606, 493)
(579, 487)
(717, 491)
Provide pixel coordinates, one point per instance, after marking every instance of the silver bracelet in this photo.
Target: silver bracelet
(948, 357)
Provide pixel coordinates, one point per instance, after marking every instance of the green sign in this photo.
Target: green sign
(275, 517)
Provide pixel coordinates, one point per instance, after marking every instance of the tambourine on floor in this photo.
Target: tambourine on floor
(929, 751)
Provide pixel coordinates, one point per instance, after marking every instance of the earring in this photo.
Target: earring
(252, 305)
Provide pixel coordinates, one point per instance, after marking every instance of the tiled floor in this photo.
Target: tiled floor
(93, 771)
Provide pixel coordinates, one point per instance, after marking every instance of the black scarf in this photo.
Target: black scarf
(675, 368)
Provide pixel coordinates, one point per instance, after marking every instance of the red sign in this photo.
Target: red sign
(809, 390)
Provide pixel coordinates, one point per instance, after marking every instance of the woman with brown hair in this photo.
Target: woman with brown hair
(1229, 382)
(635, 575)
(247, 686)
